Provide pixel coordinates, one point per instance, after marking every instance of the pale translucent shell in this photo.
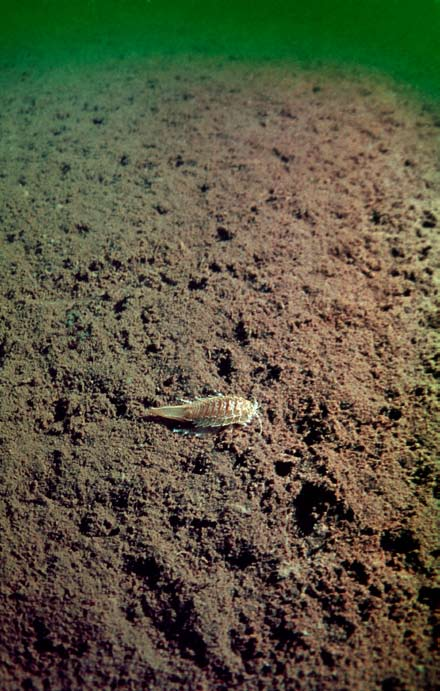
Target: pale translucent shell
(213, 411)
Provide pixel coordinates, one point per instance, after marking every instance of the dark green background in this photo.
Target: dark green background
(400, 37)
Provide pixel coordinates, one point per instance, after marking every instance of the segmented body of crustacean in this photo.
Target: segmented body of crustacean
(210, 412)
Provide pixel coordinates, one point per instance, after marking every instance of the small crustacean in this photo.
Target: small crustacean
(204, 414)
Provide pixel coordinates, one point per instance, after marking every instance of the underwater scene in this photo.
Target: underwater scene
(219, 345)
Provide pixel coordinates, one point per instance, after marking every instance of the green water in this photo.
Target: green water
(398, 37)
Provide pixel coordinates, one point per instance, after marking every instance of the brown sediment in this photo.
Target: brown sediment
(170, 230)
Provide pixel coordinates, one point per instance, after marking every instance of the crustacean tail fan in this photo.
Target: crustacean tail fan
(168, 412)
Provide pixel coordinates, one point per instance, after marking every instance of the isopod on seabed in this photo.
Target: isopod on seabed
(209, 413)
